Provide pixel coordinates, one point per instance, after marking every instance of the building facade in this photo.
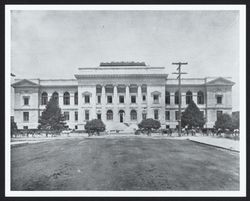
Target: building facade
(120, 93)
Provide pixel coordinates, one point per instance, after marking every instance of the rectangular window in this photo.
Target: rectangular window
(98, 99)
(25, 116)
(167, 98)
(219, 113)
(167, 126)
(87, 99)
(176, 115)
(219, 99)
(156, 114)
(144, 116)
(167, 115)
(76, 116)
(109, 99)
(133, 99)
(25, 127)
(99, 116)
(156, 98)
(121, 99)
(86, 115)
(76, 127)
(66, 116)
(143, 97)
(26, 100)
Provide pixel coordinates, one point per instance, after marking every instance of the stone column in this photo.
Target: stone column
(139, 103)
(60, 99)
(172, 97)
(115, 102)
(127, 104)
(93, 103)
(183, 99)
(72, 96)
(195, 97)
(103, 103)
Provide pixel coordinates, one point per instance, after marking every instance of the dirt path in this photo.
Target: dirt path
(123, 164)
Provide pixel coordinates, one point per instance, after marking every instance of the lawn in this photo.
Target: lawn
(123, 163)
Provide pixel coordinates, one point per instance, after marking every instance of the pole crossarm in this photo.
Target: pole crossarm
(179, 73)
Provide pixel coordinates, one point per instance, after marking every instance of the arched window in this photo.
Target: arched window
(167, 97)
(44, 98)
(109, 115)
(76, 98)
(176, 97)
(200, 97)
(66, 98)
(55, 96)
(189, 97)
(133, 115)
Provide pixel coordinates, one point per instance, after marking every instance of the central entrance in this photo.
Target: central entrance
(121, 115)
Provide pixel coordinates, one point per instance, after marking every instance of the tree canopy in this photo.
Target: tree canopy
(192, 116)
(52, 118)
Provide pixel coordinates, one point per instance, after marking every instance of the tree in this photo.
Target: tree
(224, 121)
(52, 118)
(149, 124)
(13, 128)
(192, 116)
(95, 125)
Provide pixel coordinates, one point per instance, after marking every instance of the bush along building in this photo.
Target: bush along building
(120, 93)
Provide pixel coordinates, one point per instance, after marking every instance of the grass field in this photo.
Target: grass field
(123, 163)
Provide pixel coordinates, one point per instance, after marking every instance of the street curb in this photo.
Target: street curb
(214, 146)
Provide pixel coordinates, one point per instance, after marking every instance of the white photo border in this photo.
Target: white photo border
(242, 55)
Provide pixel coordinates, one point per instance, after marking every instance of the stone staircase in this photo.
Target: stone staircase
(122, 128)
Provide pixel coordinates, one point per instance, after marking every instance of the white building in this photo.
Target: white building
(120, 93)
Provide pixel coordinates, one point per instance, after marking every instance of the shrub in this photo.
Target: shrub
(13, 128)
(95, 125)
(149, 124)
(224, 122)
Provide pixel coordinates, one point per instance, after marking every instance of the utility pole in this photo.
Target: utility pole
(179, 73)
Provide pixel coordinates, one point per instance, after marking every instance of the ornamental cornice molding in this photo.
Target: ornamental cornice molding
(78, 76)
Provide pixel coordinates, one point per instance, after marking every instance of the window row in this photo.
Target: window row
(189, 97)
(167, 115)
(55, 96)
(66, 98)
(133, 99)
(121, 89)
(109, 115)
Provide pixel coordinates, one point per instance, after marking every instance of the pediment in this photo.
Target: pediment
(155, 93)
(220, 81)
(86, 93)
(25, 83)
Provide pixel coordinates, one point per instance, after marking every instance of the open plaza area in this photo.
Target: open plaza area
(122, 163)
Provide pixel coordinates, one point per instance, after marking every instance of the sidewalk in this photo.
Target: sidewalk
(229, 144)
(208, 140)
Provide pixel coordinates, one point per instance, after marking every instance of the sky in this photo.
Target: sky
(53, 44)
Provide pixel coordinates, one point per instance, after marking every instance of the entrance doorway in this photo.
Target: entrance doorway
(121, 115)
